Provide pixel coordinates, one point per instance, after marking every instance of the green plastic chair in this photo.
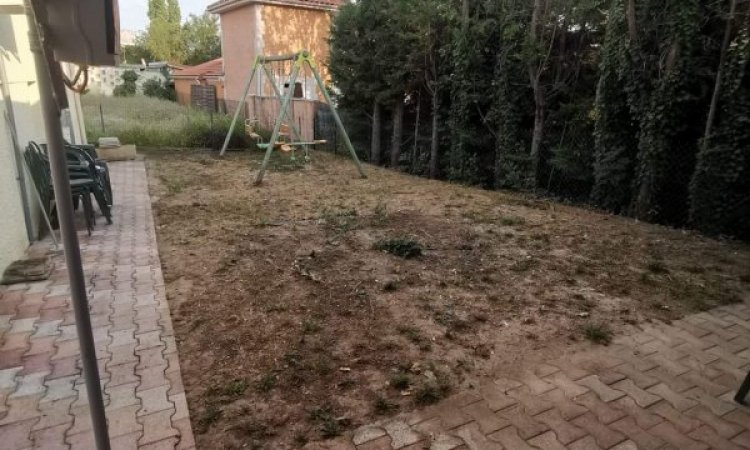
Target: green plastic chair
(81, 187)
(82, 166)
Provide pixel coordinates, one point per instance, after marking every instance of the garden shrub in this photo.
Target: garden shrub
(155, 88)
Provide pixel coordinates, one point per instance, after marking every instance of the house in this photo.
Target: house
(201, 86)
(273, 27)
(20, 112)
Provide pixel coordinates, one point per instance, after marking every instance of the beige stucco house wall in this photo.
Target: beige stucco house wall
(271, 27)
(23, 99)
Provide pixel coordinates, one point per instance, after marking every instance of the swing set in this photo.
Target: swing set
(281, 130)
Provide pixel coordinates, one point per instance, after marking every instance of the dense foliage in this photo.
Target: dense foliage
(163, 38)
(602, 101)
(200, 38)
(154, 87)
(195, 41)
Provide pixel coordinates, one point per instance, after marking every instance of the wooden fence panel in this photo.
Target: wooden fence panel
(266, 110)
(203, 96)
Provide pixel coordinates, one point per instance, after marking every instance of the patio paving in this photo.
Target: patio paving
(658, 387)
(43, 402)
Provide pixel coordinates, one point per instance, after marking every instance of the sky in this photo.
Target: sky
(133, 12)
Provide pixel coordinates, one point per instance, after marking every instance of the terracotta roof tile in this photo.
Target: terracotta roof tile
(226, 5)
(213, 68)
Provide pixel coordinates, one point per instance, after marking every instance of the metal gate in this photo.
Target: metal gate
(324, 127)
(203, 96)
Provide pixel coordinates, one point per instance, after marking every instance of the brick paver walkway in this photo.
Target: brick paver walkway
(663, 387)
(43, 400)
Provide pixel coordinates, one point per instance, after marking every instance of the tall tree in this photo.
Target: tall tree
(163, 36)
(668, 140)
(357, 62)
(616, 131)
(200, 35)
(397, 120)
(720, 188)
(430, 29)
(138, 51)
(719, 74)
(375, 146)
(536, 65)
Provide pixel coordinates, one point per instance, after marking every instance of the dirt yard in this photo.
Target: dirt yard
(319, 301)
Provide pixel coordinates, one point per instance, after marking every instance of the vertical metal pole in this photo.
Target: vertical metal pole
(277, 126)
(239, 107)
(63, 198)
(101, 118)
(337, 119)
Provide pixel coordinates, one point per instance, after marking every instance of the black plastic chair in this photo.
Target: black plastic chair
(101, 166)
(81, 187)
(82, 166)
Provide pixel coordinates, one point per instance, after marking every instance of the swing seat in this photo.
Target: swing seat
(250, 128)
(293, 144)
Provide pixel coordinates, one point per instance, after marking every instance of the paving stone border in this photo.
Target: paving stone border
(43, 402)
(659, 387)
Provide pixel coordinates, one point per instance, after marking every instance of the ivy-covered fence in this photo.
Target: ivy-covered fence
(639, 107)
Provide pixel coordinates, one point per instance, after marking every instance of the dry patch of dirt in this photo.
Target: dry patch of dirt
(296, 319)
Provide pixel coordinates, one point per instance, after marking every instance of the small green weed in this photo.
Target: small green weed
(267, 382)
(431, 392)
(510, 221)
(598, 333)
(329, 425)
(310, 326)
(231, 389)
(253, 429)
(390, 285)
(416, 337)
(657, 266)
(524, 265)
(300, 438)
(330, 428)
(209, 416)
(322, 365)
(383, 406)
(340, 220)
(174, 185)
(293, 359)
(400, 381)
(380, 214)
(412, 333)
(404, 247)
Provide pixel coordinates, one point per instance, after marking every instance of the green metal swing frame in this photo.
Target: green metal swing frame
(300, 60)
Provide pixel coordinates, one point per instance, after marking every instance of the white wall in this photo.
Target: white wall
(13, 238)
(24, 94)
(103, 80)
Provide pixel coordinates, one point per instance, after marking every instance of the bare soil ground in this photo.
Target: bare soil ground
(293, 326)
